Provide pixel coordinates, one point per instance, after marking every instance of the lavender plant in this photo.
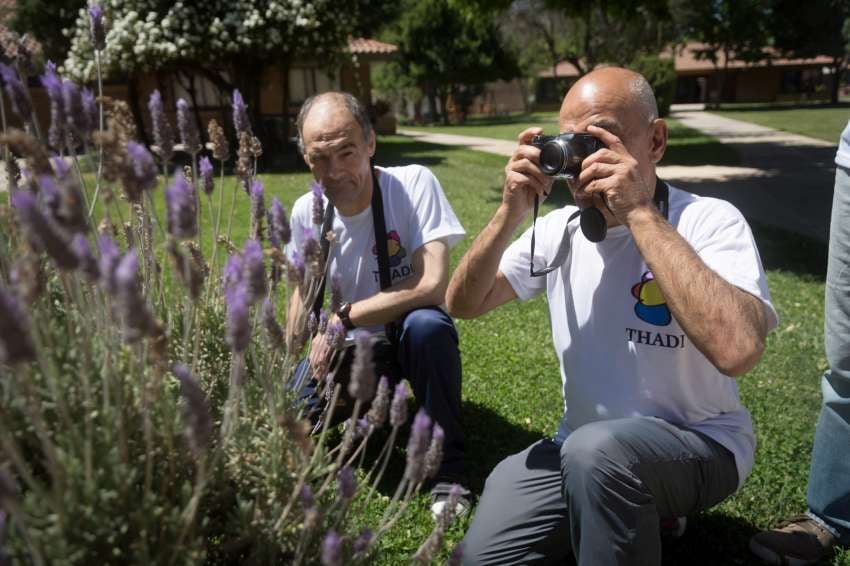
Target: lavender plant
(144, 416)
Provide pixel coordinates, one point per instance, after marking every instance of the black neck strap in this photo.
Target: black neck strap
(661, 198)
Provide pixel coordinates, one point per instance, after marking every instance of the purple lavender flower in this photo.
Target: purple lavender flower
(90, 118)
(398, 408)
(206, 168)
(240, 114)
(61, 167)
(258, 209)
(417, 446)
(52, 84)
(363, 542)
(254, 272)
(323, 321)
(312, 324)
(189, 136)
(456, 557)
(362, 383)
(318, 202)
(434, 455)
(73, 107)
(196, 410)
(296, 268)
(182, 218)
(232, 275)
(332, 549)
(377, 414)
(279, 232)
(140, 176)
(109, 258)
(274, 333)
(98, 32)
(306, 495)
(40, 233)
(64, 201)
(237, 325)
(17, 93)
(88, 264)
(335, 335)
(15, 343)
(346, 483)
(130, 304)
(163, 136)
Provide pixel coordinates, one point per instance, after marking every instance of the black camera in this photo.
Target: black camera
(561, 155)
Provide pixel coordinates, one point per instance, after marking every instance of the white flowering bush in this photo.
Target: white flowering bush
(144, 412)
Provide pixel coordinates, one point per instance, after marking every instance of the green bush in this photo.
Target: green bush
(661, 74)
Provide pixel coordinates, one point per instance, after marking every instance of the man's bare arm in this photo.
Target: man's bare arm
(427, 287)
(728, 325)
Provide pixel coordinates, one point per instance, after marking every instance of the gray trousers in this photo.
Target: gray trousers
(600, 495)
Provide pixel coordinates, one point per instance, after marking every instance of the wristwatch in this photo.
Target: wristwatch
(342, 313)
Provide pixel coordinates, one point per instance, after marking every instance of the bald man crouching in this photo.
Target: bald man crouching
(651, 325)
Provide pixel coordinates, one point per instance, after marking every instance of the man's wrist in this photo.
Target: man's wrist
(642, 215)
(344, 315)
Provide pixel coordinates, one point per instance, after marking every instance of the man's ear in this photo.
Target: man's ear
(371, 143)
(658, 140)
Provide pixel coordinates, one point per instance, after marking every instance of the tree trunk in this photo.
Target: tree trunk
(133, 95)
(443, 95)
(837, 67)
(432, 102)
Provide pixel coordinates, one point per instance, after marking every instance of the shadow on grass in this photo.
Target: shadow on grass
(488, 438)
(773, 107)
(711, 538)
(787, 251)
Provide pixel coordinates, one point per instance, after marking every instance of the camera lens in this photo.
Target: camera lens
(551, 158)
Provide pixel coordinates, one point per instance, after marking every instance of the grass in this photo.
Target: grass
(822, 122)
(685, 146)
(511, 383)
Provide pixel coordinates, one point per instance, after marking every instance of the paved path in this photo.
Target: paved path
(785, 180)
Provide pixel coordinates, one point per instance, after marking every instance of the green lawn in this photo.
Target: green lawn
(686, 146)
(824, 122)
(511, 387)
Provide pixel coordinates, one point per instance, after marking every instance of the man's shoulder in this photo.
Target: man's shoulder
(695, 208)
(303, 205)
(408, 176)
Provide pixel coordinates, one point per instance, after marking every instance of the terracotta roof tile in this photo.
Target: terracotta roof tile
(364, 46)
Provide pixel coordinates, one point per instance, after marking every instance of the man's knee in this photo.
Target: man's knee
(595, 458)
(424, 326)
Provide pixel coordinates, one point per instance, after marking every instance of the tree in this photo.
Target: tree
(228, 42)
(45, 20)
(734, 28)
(816, 30)
(445, 51)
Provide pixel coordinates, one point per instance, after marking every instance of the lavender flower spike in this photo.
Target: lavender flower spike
(15, 343)
(417, 446)
(346, 483)
(258, 209)
(196, 411)
(17, 93)
(274, 333)
(237, 325)
(362, 383)
(140, 175)
(90, 119)
(253, 270)
(40, 233)
(318, 203)
(182, 218)
(398, 409)
(434, 455)
(53, 86)
(163, 136)
(279, 231)
(109, 258)
(189, 136)
(73, 106)
(456, 557)
(206, 169)
(98, 32)
(240, 114)
(130, 304)
(377, 414)
(88, 264)
(332, 549)
(363, 542)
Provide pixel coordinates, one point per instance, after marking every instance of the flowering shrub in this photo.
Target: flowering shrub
(144, 415)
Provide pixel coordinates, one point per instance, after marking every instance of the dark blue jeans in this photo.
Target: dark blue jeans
(426, 353)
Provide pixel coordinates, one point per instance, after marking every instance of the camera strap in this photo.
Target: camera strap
(661, 198)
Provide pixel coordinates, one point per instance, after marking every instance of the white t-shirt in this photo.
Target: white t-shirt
(415, 212)
(842, 156)
(621, 352)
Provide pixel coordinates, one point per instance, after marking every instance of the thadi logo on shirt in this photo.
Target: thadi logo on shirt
(395, 250)
(650, 306)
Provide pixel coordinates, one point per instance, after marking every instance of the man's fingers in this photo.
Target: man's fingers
(525, 136)
(611, 141)
(595, 171)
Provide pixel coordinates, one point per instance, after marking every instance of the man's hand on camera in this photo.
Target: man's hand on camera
(614, 175)
(523, 177)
